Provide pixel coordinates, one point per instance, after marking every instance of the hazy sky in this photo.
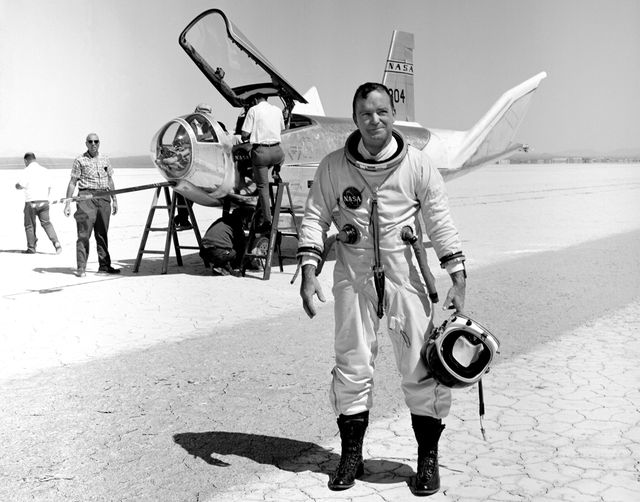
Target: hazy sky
(69, 67)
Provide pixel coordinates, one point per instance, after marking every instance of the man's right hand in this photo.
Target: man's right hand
(67, 208)
(309, 287)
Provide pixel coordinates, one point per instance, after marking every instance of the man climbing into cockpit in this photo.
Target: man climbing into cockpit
(262, 127)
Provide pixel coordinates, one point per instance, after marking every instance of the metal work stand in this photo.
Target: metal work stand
(172, 233)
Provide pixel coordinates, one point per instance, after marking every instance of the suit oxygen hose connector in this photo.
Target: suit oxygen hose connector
(407, 235)
(349, 234)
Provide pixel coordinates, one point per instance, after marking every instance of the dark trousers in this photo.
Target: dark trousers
(39, 209)
(219, 257)
(182, 218)
(93, 216)
(262, 158)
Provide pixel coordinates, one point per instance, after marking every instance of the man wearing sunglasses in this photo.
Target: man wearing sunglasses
(93, 174)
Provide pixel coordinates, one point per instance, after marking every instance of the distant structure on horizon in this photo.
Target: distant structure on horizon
(547, 158)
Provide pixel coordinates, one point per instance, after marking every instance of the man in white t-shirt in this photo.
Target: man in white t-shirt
(262, 126)
(36, 185)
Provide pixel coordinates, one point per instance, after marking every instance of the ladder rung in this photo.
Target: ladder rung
(151, 251)
(189, 247)
(158, 229)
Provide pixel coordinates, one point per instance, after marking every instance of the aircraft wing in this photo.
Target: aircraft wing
(212, 42)
(491, 138)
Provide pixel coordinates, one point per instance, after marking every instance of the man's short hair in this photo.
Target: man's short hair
(367, 88)
(29, 156)
(204, 108)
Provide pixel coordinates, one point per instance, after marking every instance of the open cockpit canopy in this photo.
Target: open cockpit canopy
(213, 43)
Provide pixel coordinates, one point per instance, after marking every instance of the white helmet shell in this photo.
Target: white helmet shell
(459, 352)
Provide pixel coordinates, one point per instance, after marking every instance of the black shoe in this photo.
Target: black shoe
(247, 192)
(346, 474)
(427, 431)
(226, 269)
(183, 226)
(108, 270)
(428, 475)
(29, 251)
(351, 466)
(220, 271)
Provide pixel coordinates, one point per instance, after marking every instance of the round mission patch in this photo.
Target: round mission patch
(352, 197)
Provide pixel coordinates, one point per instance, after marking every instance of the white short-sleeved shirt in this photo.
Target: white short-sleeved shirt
(35, 182)
(264, 122)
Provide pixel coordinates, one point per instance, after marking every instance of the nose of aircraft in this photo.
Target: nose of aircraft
(172, 150)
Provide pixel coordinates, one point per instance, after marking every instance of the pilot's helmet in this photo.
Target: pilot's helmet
(459, 352)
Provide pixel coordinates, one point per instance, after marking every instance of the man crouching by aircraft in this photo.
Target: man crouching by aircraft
(373, 187)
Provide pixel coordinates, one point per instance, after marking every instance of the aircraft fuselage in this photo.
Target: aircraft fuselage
(205, 161)
(207, 164)
(305, 147)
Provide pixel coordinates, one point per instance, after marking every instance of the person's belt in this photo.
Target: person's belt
(266, 144)
(37, 203)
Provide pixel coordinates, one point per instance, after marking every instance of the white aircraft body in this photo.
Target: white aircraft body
(208, 166)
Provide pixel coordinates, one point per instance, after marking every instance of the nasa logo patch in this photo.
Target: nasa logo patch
(352, 197)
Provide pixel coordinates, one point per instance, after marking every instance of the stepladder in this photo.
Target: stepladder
(172, 204)
(262, 246)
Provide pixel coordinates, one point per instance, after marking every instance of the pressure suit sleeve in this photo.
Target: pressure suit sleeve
(436, 213)
(317, 214)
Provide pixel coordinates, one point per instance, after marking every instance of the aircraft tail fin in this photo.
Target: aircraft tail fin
(398, 75)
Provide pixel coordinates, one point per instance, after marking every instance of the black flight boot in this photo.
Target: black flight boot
(351, 466)
(427, 431)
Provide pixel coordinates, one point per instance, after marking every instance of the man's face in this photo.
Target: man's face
(93, 144)
(374, 117)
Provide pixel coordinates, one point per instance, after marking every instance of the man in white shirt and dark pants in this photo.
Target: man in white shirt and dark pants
(36, 186)
(262, 126)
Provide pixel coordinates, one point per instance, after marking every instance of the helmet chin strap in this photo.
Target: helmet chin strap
(459, 353)
(481, 408)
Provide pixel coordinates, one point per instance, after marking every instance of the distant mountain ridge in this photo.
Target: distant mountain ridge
(624, 154)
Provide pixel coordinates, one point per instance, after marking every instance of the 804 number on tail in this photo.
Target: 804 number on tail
(397, 95)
